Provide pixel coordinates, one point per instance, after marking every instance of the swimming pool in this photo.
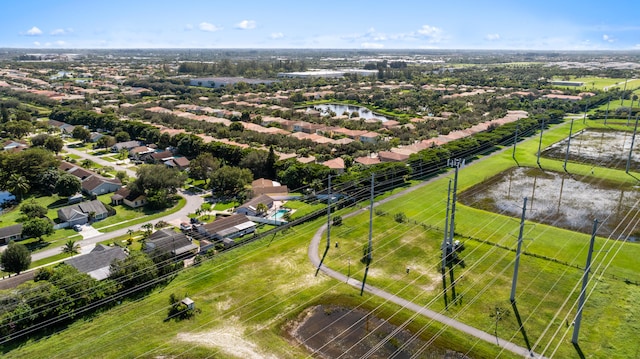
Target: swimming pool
(279, 214)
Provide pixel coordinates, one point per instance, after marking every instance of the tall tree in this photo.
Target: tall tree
(37, 227)
(81, 133)
(202, 166)
(18, 185)
(136, 269)
(229, 180)
(15, 258)
(54, 144)
(31, 209)
(68, 185)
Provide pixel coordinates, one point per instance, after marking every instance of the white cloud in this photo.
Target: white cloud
(246, 25)
(188, 27)
(58, 32)
(37, 43)
(608, 38)
(34, 31)
(371, 45)
(429, 31)
(492, 37)
(60, 43)
(205, 26)
(276, 35)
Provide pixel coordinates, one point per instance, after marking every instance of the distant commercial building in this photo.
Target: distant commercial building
(567, 83)
(217, 82)
(328, 73)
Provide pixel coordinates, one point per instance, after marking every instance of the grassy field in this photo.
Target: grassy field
(599, 83)
(247, 296)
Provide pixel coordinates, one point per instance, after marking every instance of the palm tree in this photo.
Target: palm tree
(261, 209)
(18, 184)
(71, 247)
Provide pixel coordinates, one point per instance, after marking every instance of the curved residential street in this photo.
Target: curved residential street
(194, 201)
(314, 257)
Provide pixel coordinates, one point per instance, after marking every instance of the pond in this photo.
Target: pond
(339, 109)
(599, 148)
(342, 332)
(560, 200)
(6, 197)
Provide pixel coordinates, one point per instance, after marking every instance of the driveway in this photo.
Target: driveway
(88, 231)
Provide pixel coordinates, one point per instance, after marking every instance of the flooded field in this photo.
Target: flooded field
(340, 332)
(560, 200)
(599, 148)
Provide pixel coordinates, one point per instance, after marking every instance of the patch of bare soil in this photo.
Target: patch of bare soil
(333, 331)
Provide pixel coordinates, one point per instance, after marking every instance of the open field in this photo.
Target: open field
(248, 296)
(598, 83)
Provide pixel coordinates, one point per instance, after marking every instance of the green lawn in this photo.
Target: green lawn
(253, 291)
(598, 83)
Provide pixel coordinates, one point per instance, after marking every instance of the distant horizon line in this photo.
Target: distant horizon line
(315, 49)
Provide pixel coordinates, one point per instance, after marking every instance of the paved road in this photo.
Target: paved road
(99, 160)
(194, 202)
(314, 256)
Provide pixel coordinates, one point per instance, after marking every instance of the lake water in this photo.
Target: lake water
(339, 109)
(6, 196)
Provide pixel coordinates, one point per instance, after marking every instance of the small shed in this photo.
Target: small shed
(191, 305)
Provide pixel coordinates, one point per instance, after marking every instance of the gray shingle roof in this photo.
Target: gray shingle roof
(97, 262)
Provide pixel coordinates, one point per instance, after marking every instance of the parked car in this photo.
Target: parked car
(77, 227)
(185, 226)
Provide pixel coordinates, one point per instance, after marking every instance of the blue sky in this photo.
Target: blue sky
(499, 24)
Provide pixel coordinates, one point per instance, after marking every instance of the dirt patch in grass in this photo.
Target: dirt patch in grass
(229, 340)
(335, 331)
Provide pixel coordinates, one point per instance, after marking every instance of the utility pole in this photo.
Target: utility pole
(585, 280)
(633, 139)
(369, 249)
(566, 156)
(586, 106)
(515, 141)
(606, 114)
(540, 144)
(623, 91)
(452, 224)
(512, 298)
(444, 249)
(326, 249)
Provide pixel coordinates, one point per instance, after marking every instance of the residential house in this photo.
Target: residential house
(97, 263)
(367, 161)
(157, 157)
(268, 187)
(336, 164)
(10, 233)
(79, 213)
(167, 241)
(250, 208)
(96, 185)
(92, 183)
(139, 151)
(181, 163)
(95, 136)
(232, 226)
(131, 199)
(14, 146)
(64, 127)
(128, 145)
(369, 137)
(388, 156)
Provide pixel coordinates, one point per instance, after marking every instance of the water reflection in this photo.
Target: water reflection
(340, 109)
